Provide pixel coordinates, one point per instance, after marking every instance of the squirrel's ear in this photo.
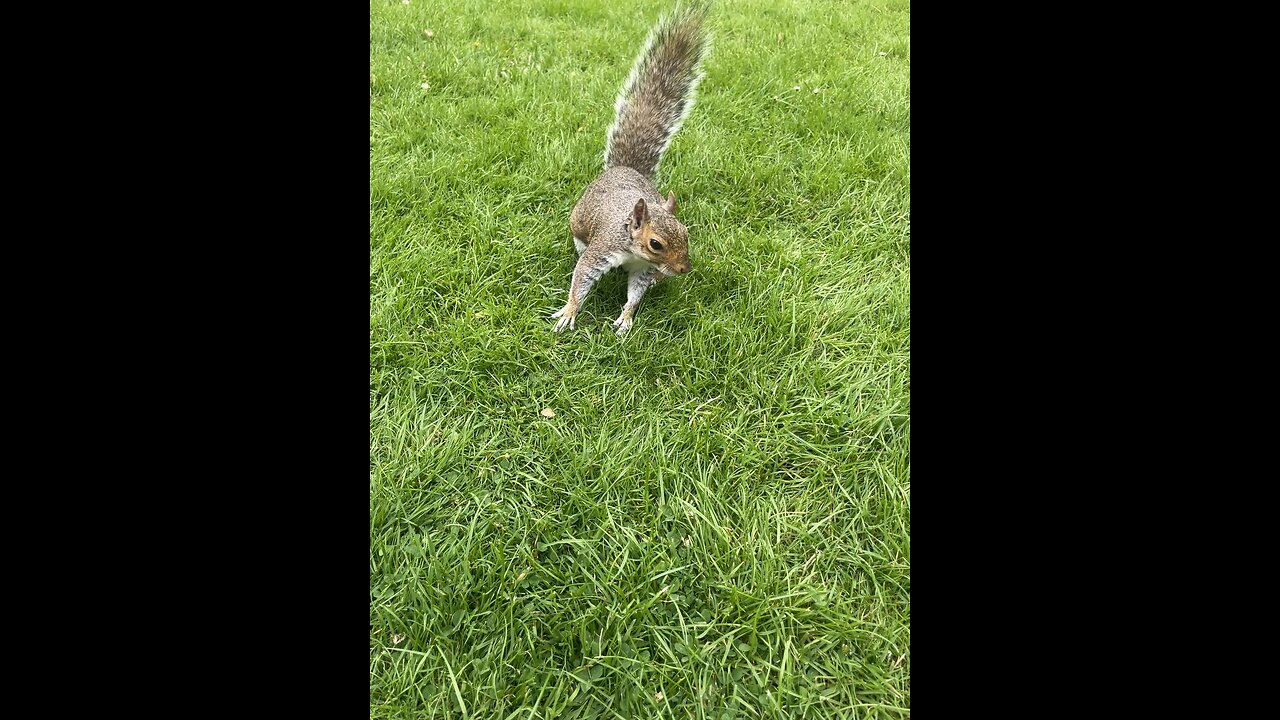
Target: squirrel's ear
(640, 214)
(670, 204)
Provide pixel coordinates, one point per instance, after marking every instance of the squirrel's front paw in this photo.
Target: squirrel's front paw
(567, 316)
(623, 323)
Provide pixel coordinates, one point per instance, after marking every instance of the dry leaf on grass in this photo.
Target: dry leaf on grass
(547, 413)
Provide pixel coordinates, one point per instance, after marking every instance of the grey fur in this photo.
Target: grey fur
(622, 220)
(659, 93)
(605, 206)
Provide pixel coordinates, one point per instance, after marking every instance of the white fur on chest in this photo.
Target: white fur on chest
(628, 262)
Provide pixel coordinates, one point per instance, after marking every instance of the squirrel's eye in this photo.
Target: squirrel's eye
(655, 244)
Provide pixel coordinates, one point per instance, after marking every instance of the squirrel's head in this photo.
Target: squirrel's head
(659, 237)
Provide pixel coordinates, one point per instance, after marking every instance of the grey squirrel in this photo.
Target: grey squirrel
(622, 220)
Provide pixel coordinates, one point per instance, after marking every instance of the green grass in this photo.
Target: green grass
(716, 522)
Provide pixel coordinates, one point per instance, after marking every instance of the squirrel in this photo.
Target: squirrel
(622, 220)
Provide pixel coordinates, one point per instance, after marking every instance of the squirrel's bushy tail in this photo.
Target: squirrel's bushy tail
(659, 92)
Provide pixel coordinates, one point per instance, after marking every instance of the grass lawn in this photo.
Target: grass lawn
(716, 522)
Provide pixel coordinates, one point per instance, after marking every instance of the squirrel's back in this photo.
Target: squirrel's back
(603, 208)
(659, 93)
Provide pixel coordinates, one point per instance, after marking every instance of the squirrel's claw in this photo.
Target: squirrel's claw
(623, 323)
(566, 320)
